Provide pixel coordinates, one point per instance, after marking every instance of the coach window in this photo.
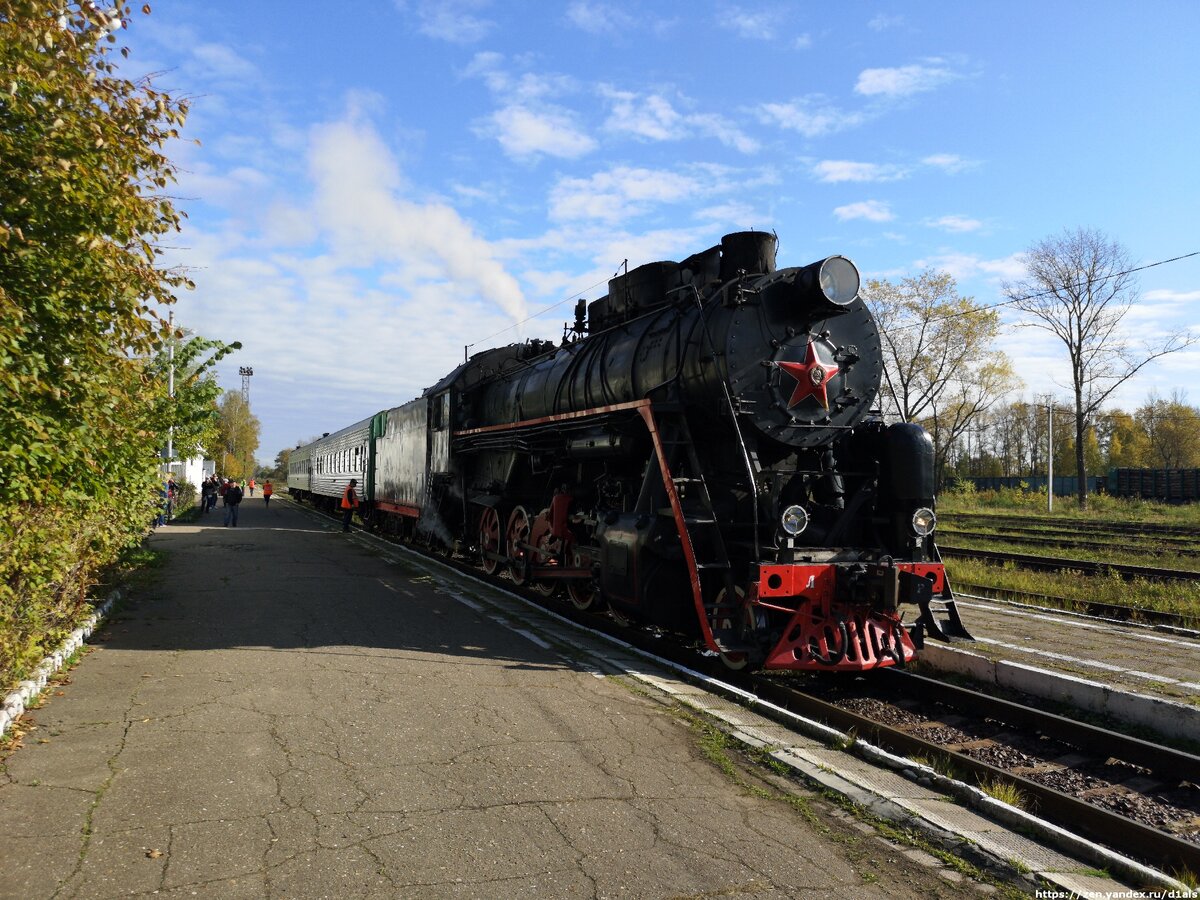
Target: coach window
(441, 412)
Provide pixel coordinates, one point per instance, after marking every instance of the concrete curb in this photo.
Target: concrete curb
(1167, 717)
(18, 701)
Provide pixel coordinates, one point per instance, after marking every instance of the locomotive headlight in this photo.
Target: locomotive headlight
(831, 283)
(839, 280)
(794, 520)
(924, 521)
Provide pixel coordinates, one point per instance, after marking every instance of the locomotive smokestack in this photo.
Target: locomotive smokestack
(747, 251)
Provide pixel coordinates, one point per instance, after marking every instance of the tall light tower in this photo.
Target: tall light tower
(246, 372)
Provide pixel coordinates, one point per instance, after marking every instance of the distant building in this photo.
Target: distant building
(193, 470)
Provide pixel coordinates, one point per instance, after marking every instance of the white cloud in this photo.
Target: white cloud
(871, 210)
(367, 223)
(963, 266)
(526, 133)
(949, 163)
(838, 170)
(882, 22)
(734, 216)
(653, 117)
(599, 18)
(510, 88)
(619, 193)
(756, 24)
(451, 20)
(217, 61)
(1161, 295)
(803, 41)
(811, 116)
(957, 224)
(903, 80)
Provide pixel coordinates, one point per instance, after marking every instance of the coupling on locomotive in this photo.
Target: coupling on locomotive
(700, 453)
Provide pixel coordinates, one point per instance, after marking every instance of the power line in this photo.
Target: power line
(538, 314)
(1015, 300)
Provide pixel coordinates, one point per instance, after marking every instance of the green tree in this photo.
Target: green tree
(1128, 443)
(1079, 286)
(81, 171)
(83, 206)
(939, 364)
(1172, 431)
(237, 437)
(282, 459)
(192, 412)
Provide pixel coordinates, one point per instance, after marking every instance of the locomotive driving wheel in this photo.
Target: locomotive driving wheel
(726, 620)
(547, 553)
(584, 593)
(489, 540)
(517, 535)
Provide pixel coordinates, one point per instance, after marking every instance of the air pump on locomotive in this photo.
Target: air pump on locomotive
(699, 454)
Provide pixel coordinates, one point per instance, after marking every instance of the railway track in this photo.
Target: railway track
(1053, 564)
(982, 741)
(1186, 624)
(1077, 525)
(1039, 539)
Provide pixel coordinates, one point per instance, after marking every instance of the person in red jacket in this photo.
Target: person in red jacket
(349, 503)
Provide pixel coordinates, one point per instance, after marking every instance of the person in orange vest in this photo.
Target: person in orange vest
(250, 485)
(349, 503)
(268, 490)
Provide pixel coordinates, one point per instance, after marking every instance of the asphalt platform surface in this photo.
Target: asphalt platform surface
(287, 714)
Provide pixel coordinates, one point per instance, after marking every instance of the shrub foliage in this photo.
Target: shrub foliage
(83, 172)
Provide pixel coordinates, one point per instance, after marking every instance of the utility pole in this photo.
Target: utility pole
(1049, 454)
(171, 388)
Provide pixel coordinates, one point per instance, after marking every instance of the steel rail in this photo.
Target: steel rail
(1052, 540)
(1078, 524)
(1157, 848)
(1075, 606)
(1166, 762)
(1055, 564)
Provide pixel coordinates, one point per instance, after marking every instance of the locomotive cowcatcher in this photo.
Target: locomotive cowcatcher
(700, 453)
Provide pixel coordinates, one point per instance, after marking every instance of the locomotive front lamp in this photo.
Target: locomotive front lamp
(924, 521)
(794, 520)
(832, 282)
(839, 280)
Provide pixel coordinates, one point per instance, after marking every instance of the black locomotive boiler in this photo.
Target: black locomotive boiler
(699, 453)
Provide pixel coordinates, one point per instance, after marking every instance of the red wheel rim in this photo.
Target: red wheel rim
(489, 540)
(518, 537)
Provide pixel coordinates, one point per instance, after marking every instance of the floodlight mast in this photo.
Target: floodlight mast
(246, 372)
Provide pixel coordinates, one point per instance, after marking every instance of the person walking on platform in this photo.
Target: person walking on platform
(233, 498)
(349, 503)
(206, 488)
(214, 487)
(250, 484)
(268, 490)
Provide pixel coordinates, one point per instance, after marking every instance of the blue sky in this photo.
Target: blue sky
(377, 184)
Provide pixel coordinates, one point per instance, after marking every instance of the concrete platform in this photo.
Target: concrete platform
(294, 712)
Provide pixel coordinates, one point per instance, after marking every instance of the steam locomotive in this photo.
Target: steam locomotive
(699, 454)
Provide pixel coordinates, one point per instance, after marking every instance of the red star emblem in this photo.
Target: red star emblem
(811, 376)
